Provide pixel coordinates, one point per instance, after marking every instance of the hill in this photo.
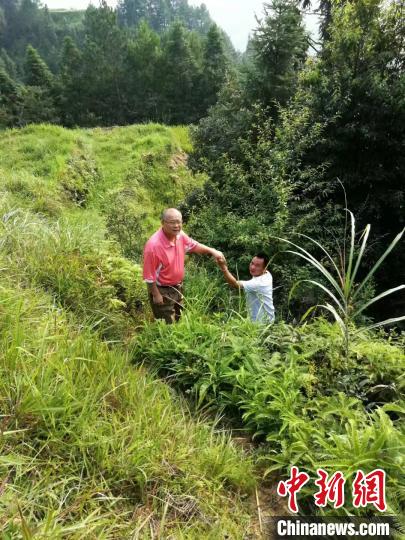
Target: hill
(92, 447)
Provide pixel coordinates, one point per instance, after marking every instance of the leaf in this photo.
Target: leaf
(348, 279)
(365, 235)
(382, 323)
(376, 298)
(379, 262)
(337, 317)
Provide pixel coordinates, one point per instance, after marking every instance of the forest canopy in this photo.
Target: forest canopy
(47, 61)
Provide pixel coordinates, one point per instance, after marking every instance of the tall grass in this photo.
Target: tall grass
(92, 448)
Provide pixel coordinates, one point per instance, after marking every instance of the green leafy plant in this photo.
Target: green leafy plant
(346, 303)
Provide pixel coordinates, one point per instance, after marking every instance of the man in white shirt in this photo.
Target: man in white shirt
(259, 289)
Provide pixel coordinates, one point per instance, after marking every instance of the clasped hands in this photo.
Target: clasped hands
(219, 258)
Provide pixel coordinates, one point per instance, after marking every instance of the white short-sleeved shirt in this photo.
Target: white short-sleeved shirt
(259, 297)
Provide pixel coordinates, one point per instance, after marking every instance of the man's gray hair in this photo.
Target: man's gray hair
(166, 211)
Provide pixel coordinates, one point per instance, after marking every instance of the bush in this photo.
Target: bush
(80, 177)
(82, 274)
(126, 223)
(291, 388)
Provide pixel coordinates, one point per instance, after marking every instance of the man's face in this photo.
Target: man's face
(256, 267)
(172, 223)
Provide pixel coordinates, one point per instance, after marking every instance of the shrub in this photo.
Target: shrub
(289, 388)
(126, 222)
(79, 177)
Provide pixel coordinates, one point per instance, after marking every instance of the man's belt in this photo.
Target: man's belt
(178, 285)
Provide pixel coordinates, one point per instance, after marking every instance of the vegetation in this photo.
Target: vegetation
(90, 446)
(94, 443)
(277, 161)
(47, 63)
(290, 387)
(345, 301)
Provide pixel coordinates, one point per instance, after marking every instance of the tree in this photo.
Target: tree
(160, 14)
(7, 63)
(179, 75)
(324, 8)
(39, 93)
(36, 71)
(355, 94)
(279, 48)
(142, 68)
(10, 100)
(103, 67)
(26, 22)
(131, 12)
(214, 68)
(71, 88)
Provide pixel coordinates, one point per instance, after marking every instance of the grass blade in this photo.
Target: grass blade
(382, 323)
(376, 298)
(365, 236)
(379, 262)
(348, 274)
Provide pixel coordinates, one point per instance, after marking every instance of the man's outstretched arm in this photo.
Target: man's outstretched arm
(201, 249)
(229, 278)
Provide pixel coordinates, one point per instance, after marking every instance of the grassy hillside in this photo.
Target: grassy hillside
(92, 447)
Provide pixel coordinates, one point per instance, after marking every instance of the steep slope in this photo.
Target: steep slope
(92, 447)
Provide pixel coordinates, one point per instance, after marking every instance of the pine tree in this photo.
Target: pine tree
(142, 82)
(36, 71)
(103, 66)
(279, 47)
(8, 64)
(10, 100)
(38, 95)
(131, 12)
(71, 77)
(214, 67)
(179, 74)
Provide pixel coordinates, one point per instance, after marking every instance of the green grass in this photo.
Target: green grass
(92, 447)
(61, 192)
(148, 161)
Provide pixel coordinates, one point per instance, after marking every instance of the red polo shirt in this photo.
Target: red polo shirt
(163, 260)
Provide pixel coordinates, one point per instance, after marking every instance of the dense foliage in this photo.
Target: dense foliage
(290, 387)
(47, 63)
(286, 135)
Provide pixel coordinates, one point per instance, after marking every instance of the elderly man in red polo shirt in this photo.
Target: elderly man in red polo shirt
(163, 265)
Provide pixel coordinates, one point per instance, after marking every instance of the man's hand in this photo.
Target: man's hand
(222, 264)
(158, 298)
(218, 256)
